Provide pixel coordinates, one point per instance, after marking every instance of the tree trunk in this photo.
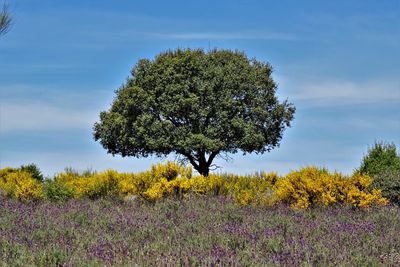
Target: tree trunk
(202, 165)
(203, 169)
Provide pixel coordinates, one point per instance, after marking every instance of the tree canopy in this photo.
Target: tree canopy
(5, 20)
(195, 104)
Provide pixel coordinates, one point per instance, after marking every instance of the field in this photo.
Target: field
(194, 231)
(269, 130)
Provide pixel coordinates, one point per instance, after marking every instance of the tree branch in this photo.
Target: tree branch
(5, 20)
(212, 156)
(191, 160)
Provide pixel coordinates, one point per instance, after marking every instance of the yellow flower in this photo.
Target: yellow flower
(21, 185)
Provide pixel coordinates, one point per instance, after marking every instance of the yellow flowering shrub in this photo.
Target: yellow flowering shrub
(141, 182)
(301, 189)
(5, 171)
(308, 186)
(67, 176)
(97, 185)
(127, 184)
(362, 199)
(20, 185)
(161, 180)
(217, 184)
(157, 190)
(313, 186)
(243, 189)
(178, 187)
(255, 189)
(356, 192)
(149, 184)
(214, 184)
(181, 185)
(200, 185)
(170, 170)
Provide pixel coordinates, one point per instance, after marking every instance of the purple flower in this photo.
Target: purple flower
(104, 250)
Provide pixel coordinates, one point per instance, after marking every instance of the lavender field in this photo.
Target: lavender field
(201, 231)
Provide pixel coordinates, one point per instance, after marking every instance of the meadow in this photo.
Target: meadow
(326, 68)
(167, 216)
(195, 231)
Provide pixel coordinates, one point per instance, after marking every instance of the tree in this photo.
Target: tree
(382, 163)
(196, 105)
(5, 20)
(33, 170)
(380, 158)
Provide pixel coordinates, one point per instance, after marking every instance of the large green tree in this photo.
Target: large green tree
(5, 20)
(196, 105)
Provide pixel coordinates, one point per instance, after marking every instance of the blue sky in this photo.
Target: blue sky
(337, 61)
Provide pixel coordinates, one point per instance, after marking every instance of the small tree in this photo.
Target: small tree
(33, 170)
(5, 20)
(380, 158)
(382, 162)
(196, 105)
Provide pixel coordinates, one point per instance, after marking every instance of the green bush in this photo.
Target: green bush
(389, 182)
(33, 170)
(380, 158)
(56, 191)
(382, 163)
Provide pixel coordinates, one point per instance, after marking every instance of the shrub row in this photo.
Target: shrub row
(301, 189)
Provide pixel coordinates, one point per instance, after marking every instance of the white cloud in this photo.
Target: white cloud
(32, 107)
(42, 116)
(336, 93)
(373, 123)
(223, 36)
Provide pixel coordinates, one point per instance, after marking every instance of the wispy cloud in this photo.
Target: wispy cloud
(224, 36)
(34, 67)
(41, 108)
(336, 93)
(43, 116)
